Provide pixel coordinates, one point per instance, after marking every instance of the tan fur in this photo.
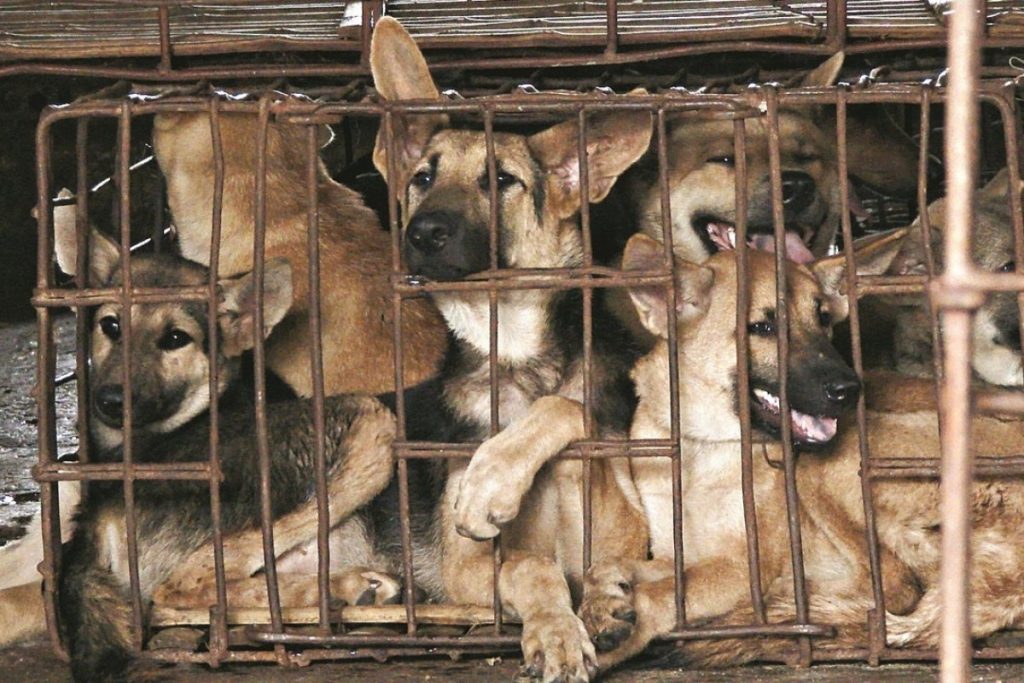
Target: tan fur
(355, 258)
(539, 507)
(831, 509)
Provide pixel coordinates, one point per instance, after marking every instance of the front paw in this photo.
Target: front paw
(362, 586)
(607, 610)
(556, 647)
(488, 495)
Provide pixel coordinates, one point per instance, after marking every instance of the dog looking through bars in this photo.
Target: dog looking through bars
(831, 508)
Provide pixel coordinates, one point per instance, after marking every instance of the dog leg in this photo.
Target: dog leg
(608, 609)
(503, 468)
(21, 612)
(351, 586)
(364, 472)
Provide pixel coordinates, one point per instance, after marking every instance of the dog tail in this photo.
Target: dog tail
(848, 618)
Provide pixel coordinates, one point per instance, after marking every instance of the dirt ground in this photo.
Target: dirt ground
(36, 662)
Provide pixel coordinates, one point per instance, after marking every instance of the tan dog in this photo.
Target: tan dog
(355, 254)
(831, 509)
(442, 177)
(996, 349)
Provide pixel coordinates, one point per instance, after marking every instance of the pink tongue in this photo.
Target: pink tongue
(796, 250)
(810, 428)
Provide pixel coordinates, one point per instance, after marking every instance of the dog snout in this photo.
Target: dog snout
(798, 191)
(429, 233)
(110, 402)
(842, 391)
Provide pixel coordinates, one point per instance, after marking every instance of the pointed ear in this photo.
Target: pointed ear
(235, 313)
(693, 286)
(873, 256)
(104, 253)
(996, 190)
(826, 73)
(879, 152)
(400, 73)
(615, 140)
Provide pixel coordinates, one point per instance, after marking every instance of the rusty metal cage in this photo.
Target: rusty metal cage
(954, 294)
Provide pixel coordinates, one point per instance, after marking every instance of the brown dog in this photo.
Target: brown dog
(831, 510)
(442, 176)
(355, 254)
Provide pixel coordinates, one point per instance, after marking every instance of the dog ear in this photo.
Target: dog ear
(615, 141)
(873, 255)
(400, 73)
(693, 286)
(104, 253)
(826, 73)
(878, 151)
(997, 189)
(235, 313)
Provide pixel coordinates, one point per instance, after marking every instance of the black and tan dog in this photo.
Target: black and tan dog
(441, 173)
(821, 385)
(171, 364)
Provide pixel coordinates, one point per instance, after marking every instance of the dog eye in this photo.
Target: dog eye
(762, 328)
(174, 339)
(805, 158)
(422, 179)
(110, 327)
(724, 160)
(503, 180)
(1008, 267)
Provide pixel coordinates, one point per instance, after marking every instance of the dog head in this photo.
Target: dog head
(820, 385)
(444, 182)
(996, 354)
(702, 177)
(169, 361)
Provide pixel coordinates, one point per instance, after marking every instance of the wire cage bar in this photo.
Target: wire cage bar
(273, 632)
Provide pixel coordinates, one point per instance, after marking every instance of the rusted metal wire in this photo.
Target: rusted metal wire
(953, 292)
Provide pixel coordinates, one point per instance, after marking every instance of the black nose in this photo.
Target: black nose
(798, 191)
(842, 391)
(109, 402)
(428, 233)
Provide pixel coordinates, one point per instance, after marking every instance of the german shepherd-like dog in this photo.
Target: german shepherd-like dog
(996, 347)
(831, 510)
(442, 176)
(171, 361)
(357, 315)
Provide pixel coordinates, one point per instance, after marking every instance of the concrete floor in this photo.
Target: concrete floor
(37, 663)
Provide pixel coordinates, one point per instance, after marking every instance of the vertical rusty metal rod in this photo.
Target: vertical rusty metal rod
(323, 529)
(877, 617)
(395, 183)
(782, 327)
(961, 145)
(163, 17)
(82, 240)
(124, 133)
(611, 27)
(49, 502)
(926, 228)
(492, 229)
(588, 336)
(218, 621)
(679, 577)
(259, 360)
(743, 371)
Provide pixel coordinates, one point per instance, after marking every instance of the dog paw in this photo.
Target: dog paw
(366, 587)
(489, 495)
(556, 648)
(607, 610)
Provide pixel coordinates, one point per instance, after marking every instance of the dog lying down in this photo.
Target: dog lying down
(629, 601)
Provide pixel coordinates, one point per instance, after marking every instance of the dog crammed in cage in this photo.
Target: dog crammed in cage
(355, 302)
(172, 358)
(996, 348)
(835, 557)
(357, 318)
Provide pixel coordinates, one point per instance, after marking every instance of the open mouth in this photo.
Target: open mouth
(808, 430)
(719, 235)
